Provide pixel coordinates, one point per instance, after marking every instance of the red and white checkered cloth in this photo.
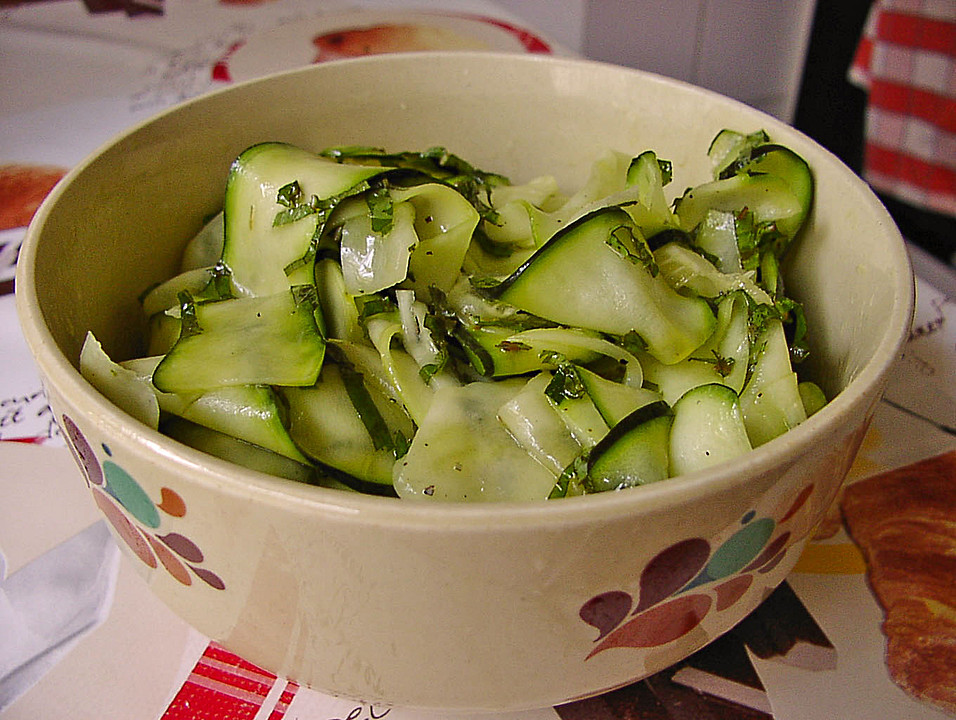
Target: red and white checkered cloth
(906, 61)
(223, 686)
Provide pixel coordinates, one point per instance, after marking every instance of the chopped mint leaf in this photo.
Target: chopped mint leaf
(289, 195)
(565, 381)
(667, 171)
(365, 407)
(633, 342)
(573, 480)
(438, 329)
(621, 237)
(292, 214)
(380, 206)
(375, 305)
(723, 366)
(794, 316)
(187, 312)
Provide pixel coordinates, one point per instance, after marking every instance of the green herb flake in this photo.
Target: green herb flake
(291, 215)
(667, 171)
(380, 208)
(365, 407)
(745, 154)
(438, 328)
(760, 314)
(573, 480)
(189, 323)
(219, 286)
(565, 381)
(633, 342)
(289, 195)
(400, 444)
(745, 231)
(485, 282)
(477, 357)
(795, 318)
(375, 305)
(619, 240)
(306, 295)
(723, 366)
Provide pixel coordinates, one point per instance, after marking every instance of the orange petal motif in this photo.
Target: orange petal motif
(171, 503)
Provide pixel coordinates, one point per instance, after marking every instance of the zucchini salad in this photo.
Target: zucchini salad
(406, 324)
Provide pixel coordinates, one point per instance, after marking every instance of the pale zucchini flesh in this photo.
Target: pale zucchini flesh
(462, 452)
(325, 423)
(708, 429)
(271, 340)
(256, 250)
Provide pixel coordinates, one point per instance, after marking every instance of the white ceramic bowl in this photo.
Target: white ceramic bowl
(493, 607)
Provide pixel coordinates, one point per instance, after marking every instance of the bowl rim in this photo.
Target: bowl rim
(865, 388)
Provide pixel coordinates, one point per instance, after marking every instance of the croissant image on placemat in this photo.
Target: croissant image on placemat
(904, 522)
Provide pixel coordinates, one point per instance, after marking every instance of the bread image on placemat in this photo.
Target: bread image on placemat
(388, 38)
(22, 188)
(904, 522)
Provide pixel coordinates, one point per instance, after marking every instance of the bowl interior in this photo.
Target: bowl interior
(120, 220)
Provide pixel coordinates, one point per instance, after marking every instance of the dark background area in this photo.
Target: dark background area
(831, 110)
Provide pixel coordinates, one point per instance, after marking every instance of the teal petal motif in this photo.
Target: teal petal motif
(128, 493)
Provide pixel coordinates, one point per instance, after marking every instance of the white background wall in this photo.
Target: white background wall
(752, 50)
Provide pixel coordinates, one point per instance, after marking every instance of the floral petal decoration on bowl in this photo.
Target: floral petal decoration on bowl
(135, 517)
(682, 584)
